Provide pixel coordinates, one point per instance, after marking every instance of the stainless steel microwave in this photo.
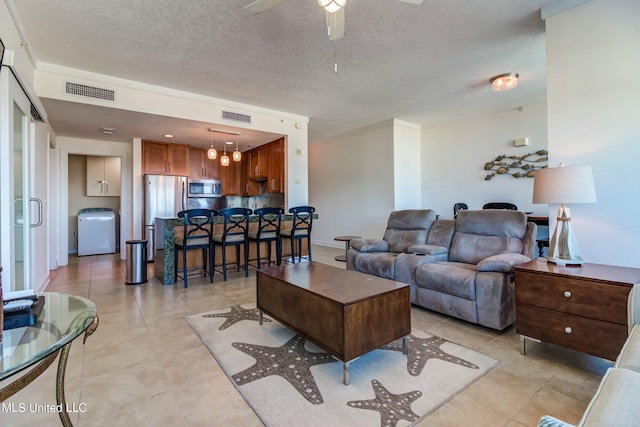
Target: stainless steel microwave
(204, 188)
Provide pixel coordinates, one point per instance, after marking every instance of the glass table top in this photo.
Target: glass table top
(63, 318)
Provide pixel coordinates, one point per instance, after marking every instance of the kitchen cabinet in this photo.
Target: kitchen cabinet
(231, 180)
(258, 162)
(201, 166)
(160, 158)
(275, 175)
(103, 176)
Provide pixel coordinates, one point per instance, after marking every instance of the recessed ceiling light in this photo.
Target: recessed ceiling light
(229, 143)
(168, 135)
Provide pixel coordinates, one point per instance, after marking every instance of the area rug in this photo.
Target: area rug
(289, 381)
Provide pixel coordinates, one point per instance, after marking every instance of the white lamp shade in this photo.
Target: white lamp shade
(572, 184)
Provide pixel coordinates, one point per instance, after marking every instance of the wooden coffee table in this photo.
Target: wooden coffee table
(344, 312)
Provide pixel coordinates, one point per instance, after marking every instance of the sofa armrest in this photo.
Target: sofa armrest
(548, 421)
(428, 250)
(502, 263)
(369, 245)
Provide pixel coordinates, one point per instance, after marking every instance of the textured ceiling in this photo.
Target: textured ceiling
(427, 64)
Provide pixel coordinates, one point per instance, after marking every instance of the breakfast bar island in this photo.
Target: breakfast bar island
(165, 261)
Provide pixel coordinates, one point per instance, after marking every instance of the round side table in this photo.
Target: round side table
(346, 239)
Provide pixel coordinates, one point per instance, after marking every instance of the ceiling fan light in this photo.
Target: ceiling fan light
(503, 82)
(332, 6)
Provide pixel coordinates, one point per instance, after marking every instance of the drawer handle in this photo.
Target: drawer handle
(568, 329)
(567, 294)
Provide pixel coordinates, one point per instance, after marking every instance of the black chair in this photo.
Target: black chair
(459, 207)
(235, 233)
(300, 229)
(500, 205)
(269, 220)
(198, 230)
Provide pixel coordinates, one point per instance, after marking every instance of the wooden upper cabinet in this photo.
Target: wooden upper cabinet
(160, 158)
(258, 162)
(201, 166)
(275, 176)
(230, 179)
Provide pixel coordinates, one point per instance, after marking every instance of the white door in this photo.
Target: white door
(15, 138)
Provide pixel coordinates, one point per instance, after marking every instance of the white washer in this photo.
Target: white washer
(96, 231)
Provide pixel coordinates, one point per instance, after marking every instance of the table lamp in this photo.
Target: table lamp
(564, 185)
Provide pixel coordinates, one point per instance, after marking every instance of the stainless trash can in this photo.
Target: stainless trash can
(136, 262)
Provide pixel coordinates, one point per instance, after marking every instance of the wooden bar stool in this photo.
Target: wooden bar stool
(300, 229)
(198, 229)
(235, 233)
(269, 220)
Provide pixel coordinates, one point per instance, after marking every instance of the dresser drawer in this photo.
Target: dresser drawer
(583, 297)
(602, 339)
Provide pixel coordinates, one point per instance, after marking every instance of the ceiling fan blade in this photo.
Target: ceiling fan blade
(335, 24)
(261, 5)
(412, 1)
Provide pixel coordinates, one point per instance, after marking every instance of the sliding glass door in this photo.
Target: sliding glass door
(15, 176)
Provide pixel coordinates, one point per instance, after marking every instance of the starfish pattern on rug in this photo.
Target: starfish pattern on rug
(392, 407)
(290, 361)
(238, 314)
(420, 350)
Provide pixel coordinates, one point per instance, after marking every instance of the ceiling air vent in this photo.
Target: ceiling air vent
(89, 91)
(236, 117)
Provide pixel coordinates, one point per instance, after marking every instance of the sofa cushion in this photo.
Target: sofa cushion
(369, 245)
(408, 227)
(480, 234)
(629, 357)
(381, 264)
(615, 404)
(451, 278)
(502, 263)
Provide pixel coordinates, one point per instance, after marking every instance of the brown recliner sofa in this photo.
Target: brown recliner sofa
(464, 268)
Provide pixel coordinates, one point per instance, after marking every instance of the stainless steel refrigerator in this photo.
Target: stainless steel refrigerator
(164, 197)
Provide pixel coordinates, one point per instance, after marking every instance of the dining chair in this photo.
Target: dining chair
(197, 232)
(302, 222)
(269, 222)
(500, 205)
(459, 207)
(234, 233)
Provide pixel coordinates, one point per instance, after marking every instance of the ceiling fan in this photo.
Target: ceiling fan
(334, 10)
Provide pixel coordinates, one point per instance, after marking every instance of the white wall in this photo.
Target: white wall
(593, 64)
(351, 184)
(406, 165)
(454, 155)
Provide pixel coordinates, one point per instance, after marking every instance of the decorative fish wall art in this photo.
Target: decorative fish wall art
(526, 165)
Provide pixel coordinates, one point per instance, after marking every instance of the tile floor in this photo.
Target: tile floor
(144, 366)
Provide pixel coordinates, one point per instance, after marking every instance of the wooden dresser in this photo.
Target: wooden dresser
(582, 308)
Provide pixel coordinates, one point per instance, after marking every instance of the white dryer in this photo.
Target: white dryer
(96, 231)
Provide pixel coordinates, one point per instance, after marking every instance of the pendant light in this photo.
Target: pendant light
(237, 155)
(224, 160)
(211, 152)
